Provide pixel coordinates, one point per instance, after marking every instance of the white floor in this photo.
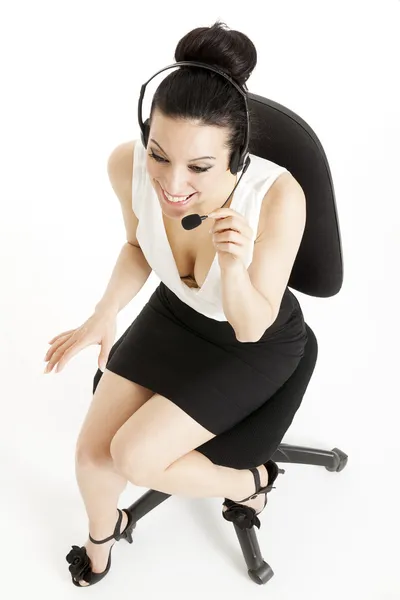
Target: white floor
(325, 535)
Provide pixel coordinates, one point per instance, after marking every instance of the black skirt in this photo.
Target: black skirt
(197, 362)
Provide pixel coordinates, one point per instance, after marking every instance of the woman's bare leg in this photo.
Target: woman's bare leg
(114, 402)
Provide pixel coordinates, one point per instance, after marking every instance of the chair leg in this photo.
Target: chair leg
(146, 503)
(259, 571)
(334, 460)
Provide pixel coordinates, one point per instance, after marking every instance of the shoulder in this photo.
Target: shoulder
(285, 197)
(120, 165)
(120, 170)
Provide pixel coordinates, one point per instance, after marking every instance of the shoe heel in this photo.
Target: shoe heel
(127, 535)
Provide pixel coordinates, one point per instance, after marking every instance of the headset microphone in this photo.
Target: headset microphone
(193, 221)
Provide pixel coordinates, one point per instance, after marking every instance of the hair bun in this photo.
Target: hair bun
(227, 49)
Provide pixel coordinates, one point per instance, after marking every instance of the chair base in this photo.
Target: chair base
(258, 570)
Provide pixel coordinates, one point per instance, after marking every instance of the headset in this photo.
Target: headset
(240, 159)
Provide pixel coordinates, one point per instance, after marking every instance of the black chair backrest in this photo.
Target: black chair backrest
(279, 135)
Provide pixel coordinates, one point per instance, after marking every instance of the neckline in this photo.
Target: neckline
(194, 291)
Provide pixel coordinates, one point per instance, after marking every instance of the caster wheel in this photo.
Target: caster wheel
(261, 575)
(342, 457)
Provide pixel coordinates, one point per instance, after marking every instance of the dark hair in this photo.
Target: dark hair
(199, 94)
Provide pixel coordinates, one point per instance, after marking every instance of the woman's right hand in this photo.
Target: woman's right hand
(100, 328)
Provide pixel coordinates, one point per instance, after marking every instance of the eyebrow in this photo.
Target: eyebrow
(191, 160)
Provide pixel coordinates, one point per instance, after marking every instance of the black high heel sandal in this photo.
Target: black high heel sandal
(246, 517)
(80, 564)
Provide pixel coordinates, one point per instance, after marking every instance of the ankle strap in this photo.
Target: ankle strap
(257, 479)
(114, 535)
(272, 470)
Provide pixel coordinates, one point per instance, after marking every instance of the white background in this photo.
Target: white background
(71, 74)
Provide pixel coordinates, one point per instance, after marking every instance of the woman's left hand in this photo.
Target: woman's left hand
(232, 237)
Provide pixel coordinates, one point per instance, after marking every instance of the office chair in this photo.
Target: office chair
(284, 138)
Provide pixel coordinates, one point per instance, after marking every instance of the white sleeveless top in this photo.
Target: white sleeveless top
(152, 238)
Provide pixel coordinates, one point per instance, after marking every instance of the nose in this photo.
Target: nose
(176, 183)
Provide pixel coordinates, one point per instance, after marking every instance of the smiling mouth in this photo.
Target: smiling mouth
(184, 200)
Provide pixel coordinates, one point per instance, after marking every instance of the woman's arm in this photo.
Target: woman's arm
(131, 270)
(252, 297)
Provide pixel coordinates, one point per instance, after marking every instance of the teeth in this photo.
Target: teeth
(175, 198)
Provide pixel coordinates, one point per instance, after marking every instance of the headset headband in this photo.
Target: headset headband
(240, 89)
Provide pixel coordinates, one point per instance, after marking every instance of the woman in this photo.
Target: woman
(221, 333)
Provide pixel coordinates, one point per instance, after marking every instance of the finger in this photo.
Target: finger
(222, 212)
(223, 225)
(70, 353)
(230, 248)
(52, 361)
(55, 346)
(238, 223)
(245, 232)
(226, 214)
(230, 236)
(59, 354)
(60, 335)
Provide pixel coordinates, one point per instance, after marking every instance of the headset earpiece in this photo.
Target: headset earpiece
(145, 132)
(240, 160)
(234, 164)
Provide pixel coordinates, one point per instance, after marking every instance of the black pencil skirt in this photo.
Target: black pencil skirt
(197, 362)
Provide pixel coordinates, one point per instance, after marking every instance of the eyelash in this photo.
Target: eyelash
(197, 170)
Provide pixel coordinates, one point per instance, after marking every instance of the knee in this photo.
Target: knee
(133, 461)
(89, 454)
